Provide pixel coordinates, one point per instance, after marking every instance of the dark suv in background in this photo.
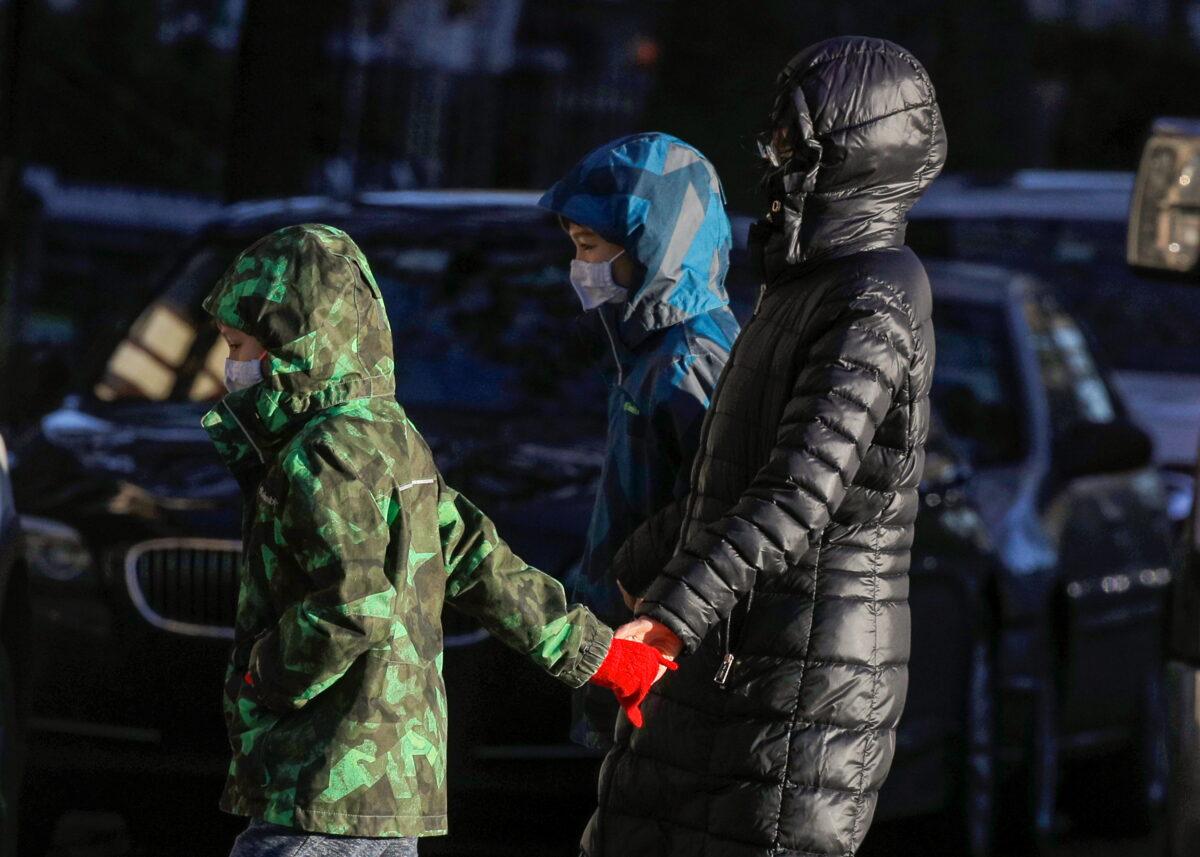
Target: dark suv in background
(1076, 516)
(131, 524)
(1069, 228)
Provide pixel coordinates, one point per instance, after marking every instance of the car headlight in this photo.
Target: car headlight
(54, 550)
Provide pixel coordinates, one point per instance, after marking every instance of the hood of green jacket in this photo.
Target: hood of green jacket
(307, 294)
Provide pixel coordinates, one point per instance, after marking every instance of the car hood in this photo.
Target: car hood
(154, 460)
(150, 461)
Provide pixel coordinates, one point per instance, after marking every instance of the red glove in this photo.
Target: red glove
(629, 671)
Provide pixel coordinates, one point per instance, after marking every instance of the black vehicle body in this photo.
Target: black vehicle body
(1076, 517)
(135, 521)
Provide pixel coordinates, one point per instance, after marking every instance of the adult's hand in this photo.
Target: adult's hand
(646, 630)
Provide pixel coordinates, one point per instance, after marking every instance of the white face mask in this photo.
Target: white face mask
(240, 374)
(593, 282)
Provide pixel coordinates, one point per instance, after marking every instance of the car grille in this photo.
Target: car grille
(187, 586)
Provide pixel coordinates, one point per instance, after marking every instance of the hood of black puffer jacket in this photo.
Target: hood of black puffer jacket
(660, 200)
(874, 112)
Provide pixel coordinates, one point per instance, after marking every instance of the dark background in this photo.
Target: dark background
(247, 98)
(124, 124)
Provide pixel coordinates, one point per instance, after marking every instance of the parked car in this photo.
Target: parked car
(131, 519)
(132, 525)
(1077, 516)
(12, 658)
(1069, 228)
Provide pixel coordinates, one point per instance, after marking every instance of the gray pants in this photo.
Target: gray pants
(261, 839)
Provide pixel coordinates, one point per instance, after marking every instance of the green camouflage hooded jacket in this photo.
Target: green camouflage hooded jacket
(352, 542)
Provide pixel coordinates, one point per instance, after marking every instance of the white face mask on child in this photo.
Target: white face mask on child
(593, 282)
(240, 374)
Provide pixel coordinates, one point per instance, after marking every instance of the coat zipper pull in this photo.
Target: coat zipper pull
(762, 293)
(723, 671)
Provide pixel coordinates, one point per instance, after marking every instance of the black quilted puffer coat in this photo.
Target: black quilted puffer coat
(789, 558)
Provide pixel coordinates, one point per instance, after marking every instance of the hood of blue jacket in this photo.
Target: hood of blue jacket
(661, 200)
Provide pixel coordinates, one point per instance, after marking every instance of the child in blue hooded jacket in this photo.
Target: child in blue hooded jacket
(646, 214)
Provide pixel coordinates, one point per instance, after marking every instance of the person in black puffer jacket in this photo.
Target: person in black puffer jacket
(782, 578)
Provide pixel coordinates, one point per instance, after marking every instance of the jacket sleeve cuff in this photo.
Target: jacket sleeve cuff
(670, 601)
(597, 640)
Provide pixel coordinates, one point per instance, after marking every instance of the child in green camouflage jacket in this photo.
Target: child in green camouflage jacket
(334, 698)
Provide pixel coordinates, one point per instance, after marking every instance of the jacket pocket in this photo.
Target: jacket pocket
(249, 721)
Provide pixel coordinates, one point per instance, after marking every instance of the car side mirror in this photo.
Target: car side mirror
(1089, 449)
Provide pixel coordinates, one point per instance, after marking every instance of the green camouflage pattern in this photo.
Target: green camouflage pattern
(352, 543)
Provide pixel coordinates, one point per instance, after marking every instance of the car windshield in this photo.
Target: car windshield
(975, 390)
(1139, 324)
(482, 318)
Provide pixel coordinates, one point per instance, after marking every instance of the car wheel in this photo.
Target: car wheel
(1028, 797)
(970, 821)
(10, 759)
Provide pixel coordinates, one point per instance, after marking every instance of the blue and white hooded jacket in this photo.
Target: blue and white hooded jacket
(661, 200)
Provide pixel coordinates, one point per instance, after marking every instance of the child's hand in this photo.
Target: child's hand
(629, 671)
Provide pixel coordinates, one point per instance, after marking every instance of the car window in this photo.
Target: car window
(485, 320)
(172, 350)
(1075, 388)
(482, 317)
(1085, 263)
(975, 389)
